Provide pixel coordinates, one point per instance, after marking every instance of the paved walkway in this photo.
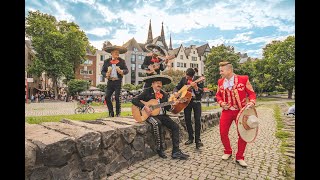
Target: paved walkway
(263, 157)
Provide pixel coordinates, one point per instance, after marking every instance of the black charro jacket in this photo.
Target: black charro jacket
(184, 81)
(148, 94)
(122, 65)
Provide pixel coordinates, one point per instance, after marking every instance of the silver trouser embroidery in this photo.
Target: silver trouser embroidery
(156, 131)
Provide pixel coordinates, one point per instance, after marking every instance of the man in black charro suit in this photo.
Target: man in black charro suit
(114, 69)
(195, 104)
(155, 92)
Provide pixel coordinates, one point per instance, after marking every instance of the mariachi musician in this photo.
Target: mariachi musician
(114, 69)
(195, 104)
(155, 92)
(155, 61)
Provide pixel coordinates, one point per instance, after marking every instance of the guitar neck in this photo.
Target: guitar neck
(162, 104)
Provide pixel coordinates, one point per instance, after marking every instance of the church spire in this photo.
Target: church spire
(170, 45)
(150, 38)
(163, 38)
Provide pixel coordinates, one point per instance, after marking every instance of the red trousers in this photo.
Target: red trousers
(227, 116)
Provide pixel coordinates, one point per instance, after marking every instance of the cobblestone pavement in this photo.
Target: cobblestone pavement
(58, 108)
(263, 157)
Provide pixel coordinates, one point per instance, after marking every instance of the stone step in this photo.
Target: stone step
(87, 141)
(56, 148)
(108, 134)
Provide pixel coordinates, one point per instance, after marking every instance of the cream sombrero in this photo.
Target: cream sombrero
(163, 78)
(247, 123)
(156, 49)
(121, 49)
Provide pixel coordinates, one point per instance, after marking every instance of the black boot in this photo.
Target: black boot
(179, 155)
(199, 144)
(190, 141)
(111, 114)
(162, 154)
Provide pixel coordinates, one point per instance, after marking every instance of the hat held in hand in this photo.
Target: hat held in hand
(248, 123)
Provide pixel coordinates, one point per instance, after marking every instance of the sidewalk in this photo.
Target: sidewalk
(263, 157)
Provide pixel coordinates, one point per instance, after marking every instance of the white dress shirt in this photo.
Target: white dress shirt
(228, 83)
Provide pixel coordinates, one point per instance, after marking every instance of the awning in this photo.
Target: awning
(41, 89)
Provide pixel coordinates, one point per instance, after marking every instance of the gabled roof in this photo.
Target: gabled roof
(143, 46)
(187, 51)
(174, 51)
(100, 52)
(131, 44)
(201, 49)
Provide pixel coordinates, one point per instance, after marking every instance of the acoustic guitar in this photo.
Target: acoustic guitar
(153, 67)
(141, 115)
(185, 94)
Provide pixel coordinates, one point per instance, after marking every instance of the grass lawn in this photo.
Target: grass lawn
(79, 117)
(291, 103)
(208, 108)
(263, 99)
(125, 105)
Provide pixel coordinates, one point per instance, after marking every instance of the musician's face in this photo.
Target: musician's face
(115, 54)
(189, 77)
(157, 85)
(225, 71)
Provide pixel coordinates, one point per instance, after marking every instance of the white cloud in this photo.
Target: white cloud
(98, 31)
(61, 13)
(90, 2)
(97, 44)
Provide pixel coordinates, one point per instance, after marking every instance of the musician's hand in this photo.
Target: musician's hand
(250, 104)
(225, 105)
(147, 110)
(109, 68)
(194, 85)
(119, 70)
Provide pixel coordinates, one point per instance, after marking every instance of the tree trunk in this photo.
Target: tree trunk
(55, 88)
(290, 93)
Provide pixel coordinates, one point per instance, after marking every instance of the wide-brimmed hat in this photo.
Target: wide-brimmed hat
(158, 50)
(121, 49)
(248, 123)
(163, 78)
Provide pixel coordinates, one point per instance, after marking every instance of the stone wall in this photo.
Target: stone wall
(94, 149)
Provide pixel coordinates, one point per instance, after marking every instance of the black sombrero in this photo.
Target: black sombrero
(164, 78)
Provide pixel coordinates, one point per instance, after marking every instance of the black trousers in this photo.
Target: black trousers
(196, 106)
(158, 130)
(113, 86)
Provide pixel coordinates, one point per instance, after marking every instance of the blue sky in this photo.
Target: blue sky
(248, 25)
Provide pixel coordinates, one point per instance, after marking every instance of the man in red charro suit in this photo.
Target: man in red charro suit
(233, 93)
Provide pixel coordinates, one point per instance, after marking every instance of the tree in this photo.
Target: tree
(139, 86)
(60, 46)
(176, 77)
(280, 60)
(102, 87)
(77, 85)
(129, 87)
(219, 54)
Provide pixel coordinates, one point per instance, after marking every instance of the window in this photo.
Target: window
(185, 65)
(140, 74)
(102, 79)
(88, 61)
(181, 56)
(135, 49)
(141, 57)
(133, 67)
(194, 58)
(194, 52)
(101, 57)
(133, 58)
(85, 72)
(139, 66)
(178, 64)
(172, 65)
